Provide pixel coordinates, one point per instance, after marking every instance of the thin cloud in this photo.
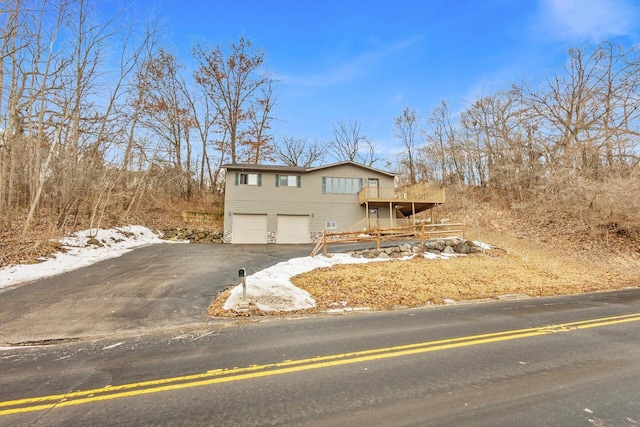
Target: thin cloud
(592, 20)
(350, 70)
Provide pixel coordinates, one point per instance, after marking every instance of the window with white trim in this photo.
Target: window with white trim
(243, 178)
(335, 185)
(331, 225)
(288, 180)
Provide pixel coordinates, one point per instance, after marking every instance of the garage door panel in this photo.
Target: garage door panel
(249, 228)
(292, 229)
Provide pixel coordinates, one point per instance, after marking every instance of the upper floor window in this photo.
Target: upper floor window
(248, 178)
(288, 180)
(331, 185)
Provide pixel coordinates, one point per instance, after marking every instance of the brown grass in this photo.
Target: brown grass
(42, 238)
(533, 260)
(420, 281)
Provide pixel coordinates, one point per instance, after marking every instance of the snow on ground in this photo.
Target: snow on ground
(271, 289)
(482, 245)
(79, 254)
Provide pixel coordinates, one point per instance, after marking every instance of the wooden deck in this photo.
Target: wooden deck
(407, 200)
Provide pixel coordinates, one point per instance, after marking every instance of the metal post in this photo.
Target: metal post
(242, 273)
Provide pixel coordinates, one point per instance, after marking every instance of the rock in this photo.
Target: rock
(94, 242)
(370, 254)
(453, 242)
(383, 255)
(448, 250)
(464, 249)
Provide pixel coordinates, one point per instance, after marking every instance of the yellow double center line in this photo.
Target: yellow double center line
(256, 371)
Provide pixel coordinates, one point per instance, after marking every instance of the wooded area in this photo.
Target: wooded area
(99, 122)
(564, 149)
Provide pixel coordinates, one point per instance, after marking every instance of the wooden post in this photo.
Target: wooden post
(324, 242)
(378, 231)
(423, 240)
(464, 228)
(366, 211)
(413, 212)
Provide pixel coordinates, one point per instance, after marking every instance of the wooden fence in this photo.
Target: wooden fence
(418, 231)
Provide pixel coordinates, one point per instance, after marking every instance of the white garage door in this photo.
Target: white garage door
(292, 229)
(249, 229)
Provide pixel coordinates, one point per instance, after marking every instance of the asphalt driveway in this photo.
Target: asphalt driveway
(158, 286)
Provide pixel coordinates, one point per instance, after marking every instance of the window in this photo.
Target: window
(288, 180)
(248, 179)
(331, 185)
(331, 225)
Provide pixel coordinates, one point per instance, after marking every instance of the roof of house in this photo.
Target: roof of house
(269, 168)
(297, 169)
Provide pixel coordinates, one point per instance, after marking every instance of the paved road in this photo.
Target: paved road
(570, 361)
(158, 286)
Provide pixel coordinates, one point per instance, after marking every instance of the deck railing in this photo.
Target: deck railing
(420, 231)
(372, 223)
(418, 193)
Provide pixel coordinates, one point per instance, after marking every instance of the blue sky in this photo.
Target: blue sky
(368, 60)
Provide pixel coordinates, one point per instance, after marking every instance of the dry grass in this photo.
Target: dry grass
(531, 261)
(42, 239)
(419, 281)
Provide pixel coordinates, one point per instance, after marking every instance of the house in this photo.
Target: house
(286, 204)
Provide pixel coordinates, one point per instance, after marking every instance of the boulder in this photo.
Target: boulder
(94, 242)
(448, 250)
(465, 249)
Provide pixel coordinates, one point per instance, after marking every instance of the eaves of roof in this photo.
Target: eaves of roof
(296, 169)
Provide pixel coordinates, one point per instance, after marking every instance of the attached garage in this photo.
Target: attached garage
(249, 228)
(292, 229)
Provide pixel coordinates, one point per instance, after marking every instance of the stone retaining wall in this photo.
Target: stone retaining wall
(198, 235)
(448, 246)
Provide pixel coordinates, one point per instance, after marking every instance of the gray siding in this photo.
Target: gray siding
(306, 200)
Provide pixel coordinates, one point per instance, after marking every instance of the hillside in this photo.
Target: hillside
(520, 268)
(529, 259)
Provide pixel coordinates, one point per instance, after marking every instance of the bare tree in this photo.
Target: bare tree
(169, 114)
(405, 128)
(444, 141)
(203, 121)
(349, 144)
(300, 152)
(233, 82)
(257, 142)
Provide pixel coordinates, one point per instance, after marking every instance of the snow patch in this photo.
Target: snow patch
(79, 253)
(271, 289)
(482, 245)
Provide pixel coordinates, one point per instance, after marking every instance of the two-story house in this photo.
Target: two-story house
(285, 204)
